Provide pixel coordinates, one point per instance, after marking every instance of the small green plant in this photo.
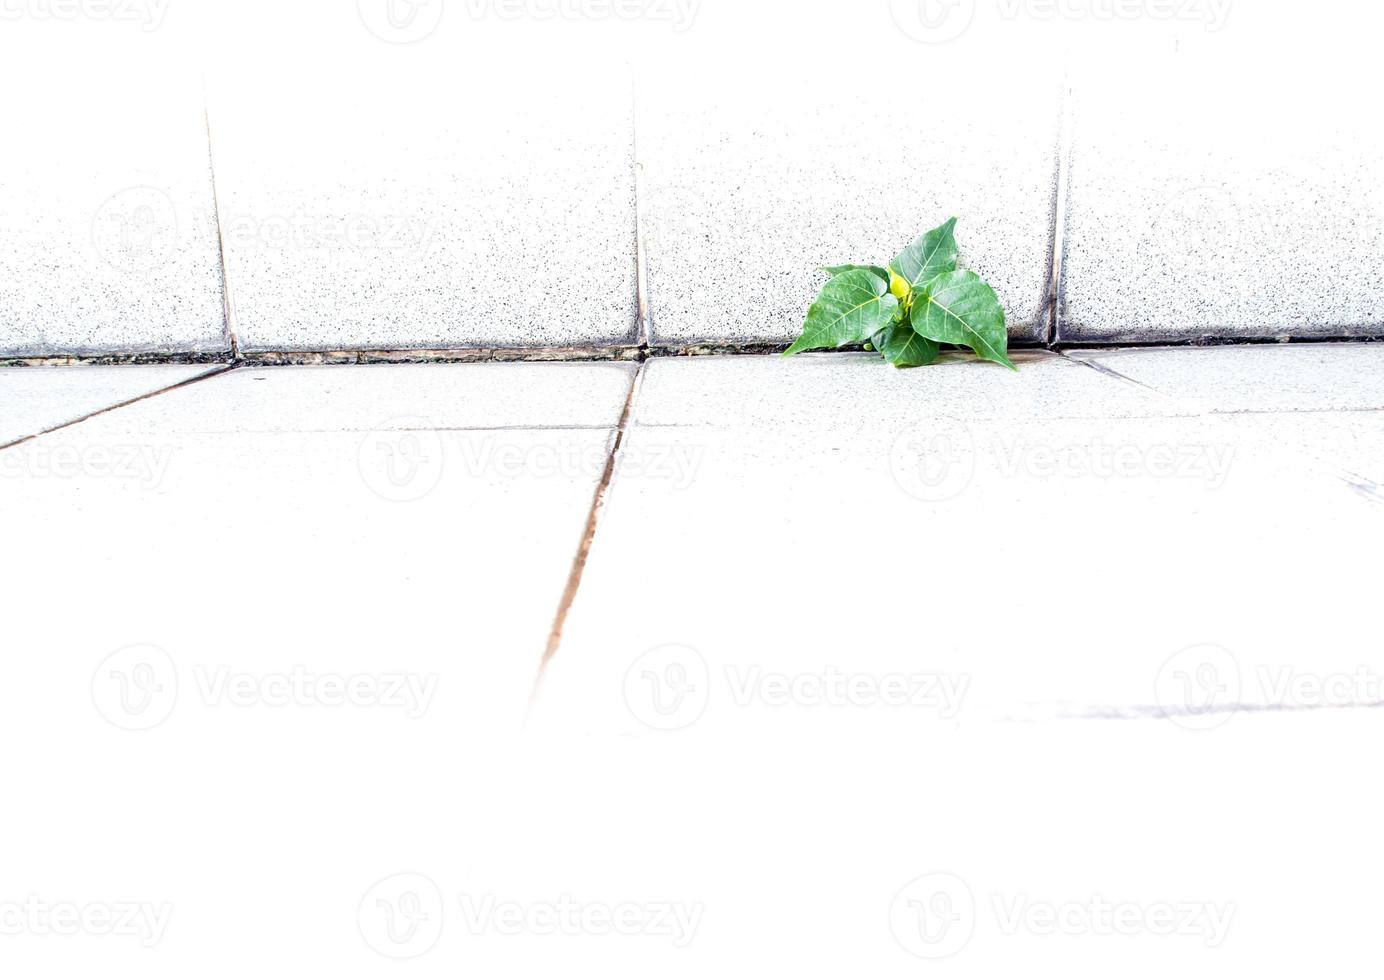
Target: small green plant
(909, 309)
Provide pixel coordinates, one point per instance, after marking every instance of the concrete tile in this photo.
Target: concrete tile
(366, 398)
(764, 171)
(1191, 216)
(385, 206)
(835, 391)
(263, 595)
(799, 852)
(107, 222)
(34, 399)
(1256, 378)
(936, 545)
(1349, 444)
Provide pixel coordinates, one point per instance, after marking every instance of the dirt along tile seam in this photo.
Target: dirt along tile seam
(588, 539)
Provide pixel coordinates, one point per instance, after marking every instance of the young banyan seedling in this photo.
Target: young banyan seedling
(909, 309)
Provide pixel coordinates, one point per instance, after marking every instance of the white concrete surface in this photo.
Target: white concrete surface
(262, 583)
(36, 399)
(914, 536)
(1193, 214)
(831, 391)
(1323, 400)
(806, 854)
(338, 398)
(1277, 378)
(107, 222)
(803, 559)
(842, 141)
(440, 193)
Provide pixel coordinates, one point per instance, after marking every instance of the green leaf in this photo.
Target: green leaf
(904, 348)
(928, 257)
(959, 308)
(852, 308)
(836, 270)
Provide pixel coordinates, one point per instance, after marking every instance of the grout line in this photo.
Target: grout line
(1213, 341)
(478, 355)
(229, 324)
(593, 520)
(222, 369)
(623, 353)
(641, 252)
(1057, 269)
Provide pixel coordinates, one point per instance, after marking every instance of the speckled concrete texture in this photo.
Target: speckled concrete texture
(35, 399)
(426, 194)
(107, 223)
(820, 150)
(1217, 192)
